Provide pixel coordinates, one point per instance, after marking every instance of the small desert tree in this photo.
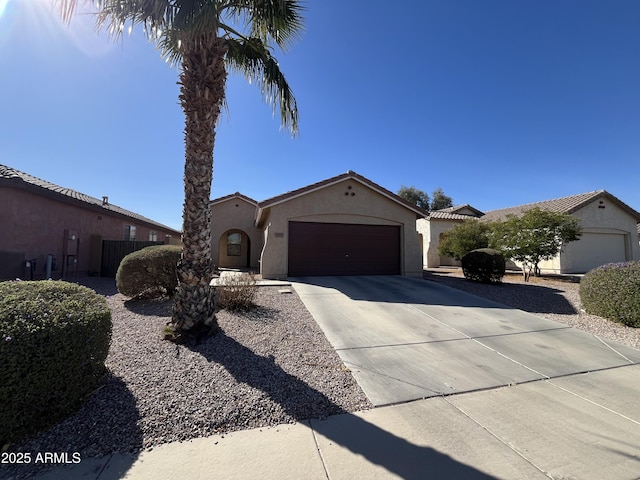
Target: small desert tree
(463, 238)
(415, 196)
(534, 236)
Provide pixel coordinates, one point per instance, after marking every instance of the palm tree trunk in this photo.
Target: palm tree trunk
(202, 91)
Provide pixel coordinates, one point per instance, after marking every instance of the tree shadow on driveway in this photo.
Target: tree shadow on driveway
(529, 297)
(360, 437)
(438, 291)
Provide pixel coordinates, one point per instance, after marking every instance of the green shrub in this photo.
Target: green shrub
(54, 339)
(484, 265)
(463, 238)
(613, 291)
(236, 292)
(150, 272)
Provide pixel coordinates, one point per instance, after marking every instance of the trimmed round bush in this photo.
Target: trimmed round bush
(54, 339)
(612, 291)
(150, 272)
(484, 265)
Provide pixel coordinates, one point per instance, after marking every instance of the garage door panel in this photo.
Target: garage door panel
(595, 249)
(343, 249)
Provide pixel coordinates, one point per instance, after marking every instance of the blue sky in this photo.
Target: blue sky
(499, 102)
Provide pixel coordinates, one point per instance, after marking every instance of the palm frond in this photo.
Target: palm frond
(279, 21)
(254, 60)
(170, 23)
(67, 8)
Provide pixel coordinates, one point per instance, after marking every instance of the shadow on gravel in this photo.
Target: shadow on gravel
(103, 285)
(378, 446)
(106, 423)
(257, 314)
(528, 297)
(159, 307)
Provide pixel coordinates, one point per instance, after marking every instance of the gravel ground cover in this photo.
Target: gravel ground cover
(269, 366)
(552, 298)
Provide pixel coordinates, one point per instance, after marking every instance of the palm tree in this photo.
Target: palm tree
(206, 38)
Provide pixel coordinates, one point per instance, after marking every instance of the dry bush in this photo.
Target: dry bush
(237, 292)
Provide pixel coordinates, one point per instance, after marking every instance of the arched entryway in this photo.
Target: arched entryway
(234, 250)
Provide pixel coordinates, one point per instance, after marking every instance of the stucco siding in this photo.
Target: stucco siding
(432, 231)
(235, 215)
(35, 225)
(423, 226)
(609, 235)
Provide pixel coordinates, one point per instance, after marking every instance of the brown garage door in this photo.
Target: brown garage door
(343, 249)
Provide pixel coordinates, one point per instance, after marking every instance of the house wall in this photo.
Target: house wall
(602, 219)
(466, 211)
(234, 214)
(365, 206)
(33, 226)
(431, 231)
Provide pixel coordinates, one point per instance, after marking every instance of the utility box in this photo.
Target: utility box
(70, 245)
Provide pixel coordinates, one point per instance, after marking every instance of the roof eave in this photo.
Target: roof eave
(61, 197)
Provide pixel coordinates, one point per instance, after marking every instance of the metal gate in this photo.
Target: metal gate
(113, 251)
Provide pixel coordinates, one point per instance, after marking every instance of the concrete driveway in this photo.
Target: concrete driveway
(407, 338)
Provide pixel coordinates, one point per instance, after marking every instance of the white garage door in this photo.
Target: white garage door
(595, 249)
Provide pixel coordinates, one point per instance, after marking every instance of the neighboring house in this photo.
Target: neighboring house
(39, 220)
(610, 231)
(435, 225)
(345, 225)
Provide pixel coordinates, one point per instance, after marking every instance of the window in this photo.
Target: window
(153, 236)
(234, 244)
(130, 232)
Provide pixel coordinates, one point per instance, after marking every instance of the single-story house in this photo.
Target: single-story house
(63, 228)
(610, 230)
(344, 225)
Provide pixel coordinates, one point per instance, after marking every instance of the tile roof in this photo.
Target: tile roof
(17, 179)
(234, 195)
(442, 215)
(562, 205)
(458, 208)
(453, 213)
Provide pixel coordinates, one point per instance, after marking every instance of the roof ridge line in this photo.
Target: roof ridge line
(548, 200)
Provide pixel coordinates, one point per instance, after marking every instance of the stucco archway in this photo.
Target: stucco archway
(234, 249)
